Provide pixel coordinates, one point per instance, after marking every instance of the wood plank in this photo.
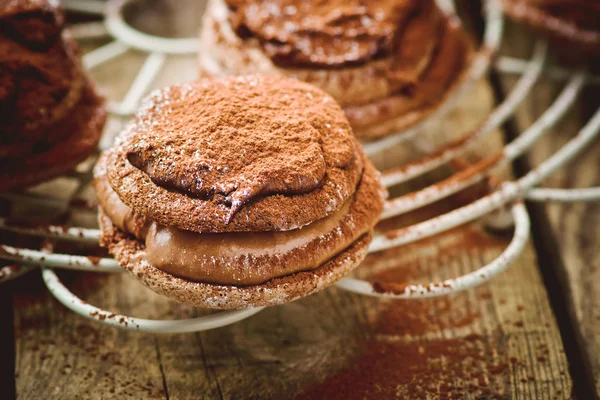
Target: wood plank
(497, 341)
(294, 347)
(575, 226)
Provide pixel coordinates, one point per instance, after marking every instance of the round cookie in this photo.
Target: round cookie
(235, 193)
(388, 64)
(306, 165)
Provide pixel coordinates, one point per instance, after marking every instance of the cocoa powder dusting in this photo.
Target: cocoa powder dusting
(396, 280)
(419, 317)
(448, 369)
(249, 153)
(237, 140)
(408, 356)
(325, 34)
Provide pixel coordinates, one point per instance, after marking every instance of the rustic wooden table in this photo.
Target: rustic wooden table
(532, 332)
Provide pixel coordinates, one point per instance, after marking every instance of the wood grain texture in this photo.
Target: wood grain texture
(576, 226)
(496, 341)
(295, 348)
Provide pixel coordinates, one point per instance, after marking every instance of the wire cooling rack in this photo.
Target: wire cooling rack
(506, 194)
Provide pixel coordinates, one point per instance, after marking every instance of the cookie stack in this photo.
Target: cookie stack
(50, 114)
(239, 192)
(389, 64)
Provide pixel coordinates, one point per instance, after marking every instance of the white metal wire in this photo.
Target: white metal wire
(514, 250)
(517, 66)
(158, 48)
(63, 261)
(143, 80)
(53, 231)
(549, 118)
(564, 195)
(68, 299)
(478, 172)
(496, 118)
(88, 30)
(103, 54)
(117, 27)
(507, 192)
(92, 7)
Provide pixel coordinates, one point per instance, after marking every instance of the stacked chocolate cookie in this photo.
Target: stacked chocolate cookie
(388, 63)
(50, 114)
(238, 192)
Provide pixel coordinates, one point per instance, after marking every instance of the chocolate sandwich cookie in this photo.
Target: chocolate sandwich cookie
(50, 114)
(389, 64)
(239, 192)
(570, 22)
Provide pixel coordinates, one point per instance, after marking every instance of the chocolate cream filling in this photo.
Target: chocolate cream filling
(246, 258)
